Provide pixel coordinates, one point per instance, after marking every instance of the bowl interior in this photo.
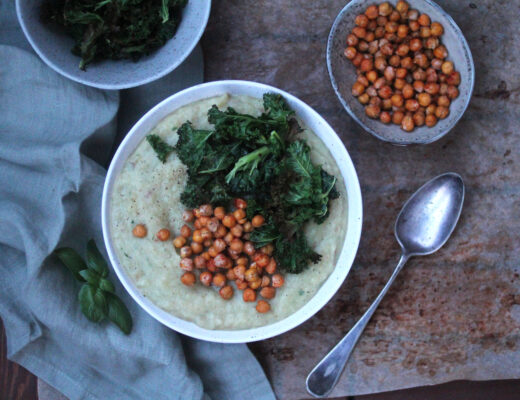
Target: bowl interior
(343, 73)
(315, 122)
(54, 46)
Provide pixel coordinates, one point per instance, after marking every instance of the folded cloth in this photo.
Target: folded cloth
(50, 195)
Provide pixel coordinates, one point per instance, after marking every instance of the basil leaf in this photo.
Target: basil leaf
(90, 276)
(119, 314)
(90, 303)
(95, 260)
(72, 261)
(106, 285)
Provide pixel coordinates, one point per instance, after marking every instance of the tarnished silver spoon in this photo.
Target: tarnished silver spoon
(424, 224)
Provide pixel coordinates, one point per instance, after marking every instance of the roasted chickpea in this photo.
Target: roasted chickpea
(261, 259)
(381, 21)
(186, 251)
(418, 86)
(206, 210)
(402, 50)
(372, 12)
(391, 27)
(188, 279)
(277, 280)
(251, 274)
(239, 214)
(206, 278)
(389, 73)
(407, 62)
(385, 9)
(352, 40)
(179, 241)
(431, 109)
(268, 292)
(436, 29)
(430, 120)
(236, 245)
(440, 52)
(362, 79)
(380, 63)
(399, 83)
(424, 99)
(187, 263)
(212, 225)
(163, 235)
(206, 256)
(394, 61)
(436, 64)
(447, 67)
(453, 92)
(370, 37)
(402, 31)
(219, 245)
(230, 275)
(371, 91)
(424, 20)
(407, 123)
(415, 44)
(371, 76)
(219, 212)
(350, 52)
(414, 26)
(267, 249)
(431, 88)
(249, 248)
(139, 231)
(255, 284)
(408, 92)
(210, 265)
(401, 73)
(379, 32)
(441, 112)
(257, 221)
(248, 227)
(229, 221)
(385, 117)
(200, 262)
(357, 89)
(361, 20)
(366, 65)
(397, 100)
(226, 292)
(443, 101)
(206, 234)
(222, 261)
(219, 280)
(185, 231)
(453, 78)
(187, 216)
(197, 224)
(239, 271)
(411, 105)
(372, 111)
(397, 117)
(266, 281)
(394, 16)
(401, 7)
(418, 118)
(262, 306)
(385, 92)
(431, 43)
(196, 248)
(196, 237)
(249, 295)
(221, 232)
(431, 75)
(359, 32)
(413, 15)
(364, 98)
(375, 101)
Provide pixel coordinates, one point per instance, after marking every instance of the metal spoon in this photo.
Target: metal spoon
(424, 224)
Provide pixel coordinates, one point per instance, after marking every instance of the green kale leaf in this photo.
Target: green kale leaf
(161, 148)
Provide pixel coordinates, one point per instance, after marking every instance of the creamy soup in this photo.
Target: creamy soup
(147, 191)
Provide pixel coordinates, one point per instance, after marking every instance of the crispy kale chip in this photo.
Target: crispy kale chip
(161, 148)
(115, 29)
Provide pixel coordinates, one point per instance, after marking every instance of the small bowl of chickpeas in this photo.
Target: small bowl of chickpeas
(402, 69)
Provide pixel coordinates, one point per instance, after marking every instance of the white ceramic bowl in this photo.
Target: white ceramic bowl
(315, 122)
(54, 48)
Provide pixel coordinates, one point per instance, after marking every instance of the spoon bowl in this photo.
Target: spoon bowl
(428, 218)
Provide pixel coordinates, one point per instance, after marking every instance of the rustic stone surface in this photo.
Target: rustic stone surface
(452, 315)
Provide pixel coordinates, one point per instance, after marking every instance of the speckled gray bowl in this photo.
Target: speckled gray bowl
(343, 73)
(53, 46)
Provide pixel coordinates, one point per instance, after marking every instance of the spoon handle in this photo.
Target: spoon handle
(324, 376)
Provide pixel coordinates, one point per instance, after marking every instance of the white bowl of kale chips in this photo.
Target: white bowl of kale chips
(343, 256)
(54, 45)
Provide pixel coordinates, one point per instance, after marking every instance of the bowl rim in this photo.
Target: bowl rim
(354, 223)
(374, 133)
(110, 86)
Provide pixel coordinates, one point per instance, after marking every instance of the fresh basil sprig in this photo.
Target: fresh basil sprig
(97, 298)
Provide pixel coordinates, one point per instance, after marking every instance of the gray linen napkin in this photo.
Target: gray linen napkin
(50, 195)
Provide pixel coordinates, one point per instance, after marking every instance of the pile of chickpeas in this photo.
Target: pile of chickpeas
(404, 76)
(220, 252)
